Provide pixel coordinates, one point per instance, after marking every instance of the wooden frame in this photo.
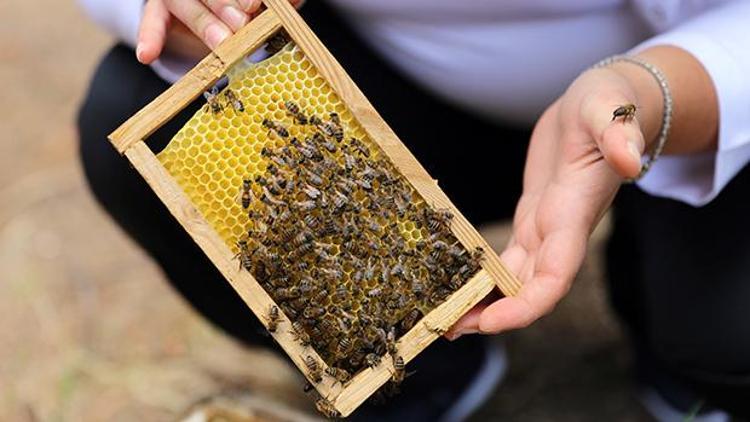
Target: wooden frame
(129, 139)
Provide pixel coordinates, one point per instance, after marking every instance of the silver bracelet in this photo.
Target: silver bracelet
(666, 122)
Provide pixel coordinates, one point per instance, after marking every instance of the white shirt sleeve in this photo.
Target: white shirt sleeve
(120, 18)
(719, 38)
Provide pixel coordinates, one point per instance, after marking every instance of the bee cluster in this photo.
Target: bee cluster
(326, 240)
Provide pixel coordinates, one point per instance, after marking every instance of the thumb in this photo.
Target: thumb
(620, 138)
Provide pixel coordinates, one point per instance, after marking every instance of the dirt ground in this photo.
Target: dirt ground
(89, 331)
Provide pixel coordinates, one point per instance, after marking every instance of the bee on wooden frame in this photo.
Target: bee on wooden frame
(341, 375)
(299, 334)
(326, 408)
(243, 255)
(272, 319)
(212, 100)
(313, 369)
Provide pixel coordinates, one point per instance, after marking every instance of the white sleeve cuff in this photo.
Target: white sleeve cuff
(718, 39)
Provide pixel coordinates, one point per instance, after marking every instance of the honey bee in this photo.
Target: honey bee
(273, 318)
(335, 119)
(311, 191)
(341, 375)
(313, 178)
(311, 221)
(286, 293)
(306, 206)
(277, 42)
(390, 341)
(344, 344)
(409, 320)
(289, 311)
(436, 220)
(326, 409)
(294, 110)
(313, 369)
(350, 162)
(302, 238)
(372, 360)
(212, 101)
(234, 101)
(327, 144)
(276, 128)
(340, 200)
(477, 254)
(626, 111)
(341, 293)
(320, 296)
(331, 129)
(246, 194)
(376, 292)
(299, 334)
(364, 184)
(360, 147)
(306, 285)
(314, 120)
(399, 370)
(369, 173)
(244, 255)
(313, 312)
(269, 198)
(417, 288)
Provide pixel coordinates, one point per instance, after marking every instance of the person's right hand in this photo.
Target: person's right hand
(211, 21)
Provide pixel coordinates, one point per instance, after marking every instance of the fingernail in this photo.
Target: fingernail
(215, 34)
(456, 335)
(232, 16)
(633, 149)
(452, 336)
(247, 5)
(139, 52)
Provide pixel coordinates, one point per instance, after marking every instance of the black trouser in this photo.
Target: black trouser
(677, 273)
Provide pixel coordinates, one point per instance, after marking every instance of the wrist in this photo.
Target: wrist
(648, 99)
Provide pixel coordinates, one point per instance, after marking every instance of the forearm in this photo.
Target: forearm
(695, 114)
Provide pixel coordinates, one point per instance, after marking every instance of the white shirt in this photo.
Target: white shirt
(508, 60)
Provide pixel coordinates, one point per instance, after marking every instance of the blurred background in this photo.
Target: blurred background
(89, 330)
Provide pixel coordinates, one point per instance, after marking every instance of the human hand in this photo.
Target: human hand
(578, 156)
(187, 27)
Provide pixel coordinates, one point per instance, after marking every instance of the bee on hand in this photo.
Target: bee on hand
(626, 111)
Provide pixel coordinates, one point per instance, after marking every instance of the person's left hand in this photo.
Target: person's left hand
(577, 159)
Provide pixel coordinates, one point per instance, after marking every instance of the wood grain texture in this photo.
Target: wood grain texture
(256, 298)
(380, 133)
(164, 107)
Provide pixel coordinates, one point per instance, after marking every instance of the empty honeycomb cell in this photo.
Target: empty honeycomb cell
(211, 155)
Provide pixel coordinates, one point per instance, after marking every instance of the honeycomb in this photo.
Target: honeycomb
(353, 270)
